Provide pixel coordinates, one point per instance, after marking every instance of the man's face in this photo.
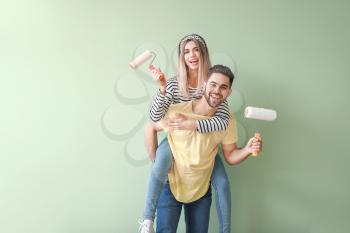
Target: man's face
(217, 89)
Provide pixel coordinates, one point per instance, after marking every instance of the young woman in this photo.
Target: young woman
(193, 65)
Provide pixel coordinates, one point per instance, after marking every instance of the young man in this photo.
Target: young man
(194, 155)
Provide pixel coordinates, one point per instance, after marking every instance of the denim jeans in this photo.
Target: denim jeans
(219, 182)
(159, 175)
(221, 185)
(169, 210)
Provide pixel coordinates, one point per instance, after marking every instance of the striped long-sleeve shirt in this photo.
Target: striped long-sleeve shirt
(161, 104)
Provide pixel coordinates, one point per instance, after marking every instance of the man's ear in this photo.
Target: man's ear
(230, 92)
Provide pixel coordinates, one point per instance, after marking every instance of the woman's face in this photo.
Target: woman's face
(192, 55)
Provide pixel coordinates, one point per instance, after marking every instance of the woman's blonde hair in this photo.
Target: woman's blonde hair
(204, 64)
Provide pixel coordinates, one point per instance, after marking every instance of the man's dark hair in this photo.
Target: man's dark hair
(221, 69)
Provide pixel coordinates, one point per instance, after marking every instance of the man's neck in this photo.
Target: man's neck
(201, 107)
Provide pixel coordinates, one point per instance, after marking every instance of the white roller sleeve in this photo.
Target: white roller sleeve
(260, 113)
(139, 60)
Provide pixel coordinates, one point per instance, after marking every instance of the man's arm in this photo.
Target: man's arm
(151, 139)
(234, 155)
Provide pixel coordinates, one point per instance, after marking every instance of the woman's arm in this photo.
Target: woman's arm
(218, 122)
(162, 102)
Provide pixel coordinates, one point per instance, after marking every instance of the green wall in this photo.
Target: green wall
(72, 158)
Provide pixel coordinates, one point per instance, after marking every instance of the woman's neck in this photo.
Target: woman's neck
(192, 78)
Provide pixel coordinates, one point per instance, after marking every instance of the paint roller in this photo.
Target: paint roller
(142, 58)
(262, 114)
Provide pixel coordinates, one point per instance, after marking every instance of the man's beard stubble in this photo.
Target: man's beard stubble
(210, 102)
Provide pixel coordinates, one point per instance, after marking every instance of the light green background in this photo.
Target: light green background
(63, 62)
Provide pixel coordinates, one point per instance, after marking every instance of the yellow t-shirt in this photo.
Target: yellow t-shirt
(194, 154)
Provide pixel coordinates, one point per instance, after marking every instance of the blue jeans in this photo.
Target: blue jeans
(221, 185)
(159, 175)
(219, 182)
(169, 210)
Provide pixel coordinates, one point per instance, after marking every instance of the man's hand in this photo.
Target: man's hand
(254, 145)
(181, 122)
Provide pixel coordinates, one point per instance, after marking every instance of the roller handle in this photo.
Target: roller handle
(257, 136)
(161, 77)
